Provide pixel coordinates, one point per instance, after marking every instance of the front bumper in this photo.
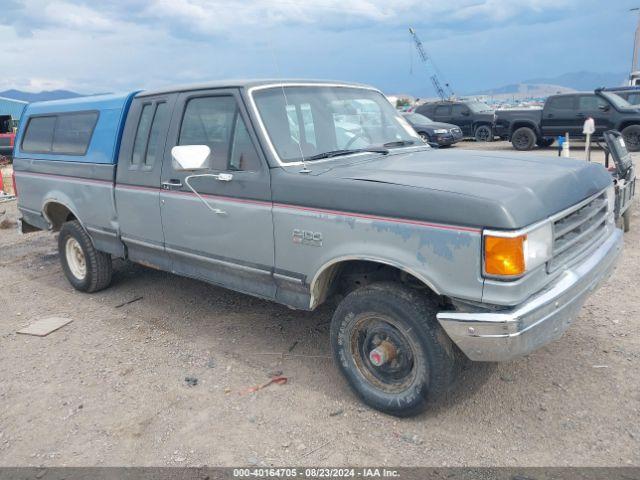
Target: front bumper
(506, 334)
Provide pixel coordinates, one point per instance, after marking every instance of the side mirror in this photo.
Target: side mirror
(604, 108)
(190, 158)
(466, 113)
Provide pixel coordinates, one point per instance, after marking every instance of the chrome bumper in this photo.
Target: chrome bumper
(506, 334)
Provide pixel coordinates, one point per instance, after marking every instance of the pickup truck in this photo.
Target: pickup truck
(474, 118)
(566, 113)
(300, 192)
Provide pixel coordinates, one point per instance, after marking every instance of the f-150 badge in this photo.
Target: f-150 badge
(307, 237)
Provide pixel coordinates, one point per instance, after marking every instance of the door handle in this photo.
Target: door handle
(549, 115)
(580, 115)
(223, 177)
(172, 184)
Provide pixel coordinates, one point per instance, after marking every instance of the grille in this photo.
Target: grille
(576, 231)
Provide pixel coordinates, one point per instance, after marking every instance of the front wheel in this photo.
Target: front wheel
(86, 268)
(631, 136)
(523, 139)
(425, 137)
(389, 346)
(484, 133)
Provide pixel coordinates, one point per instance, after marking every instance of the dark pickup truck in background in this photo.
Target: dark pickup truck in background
(475, 119)
(566, 113)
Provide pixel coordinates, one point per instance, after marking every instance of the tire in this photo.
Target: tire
(484, 133)
(425, 136)
(86, 268)
(631, 136)
(523, 139)
(426, 360)
(545, 142)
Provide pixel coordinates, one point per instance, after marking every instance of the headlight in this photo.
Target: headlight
(441, 130)
(512, 254)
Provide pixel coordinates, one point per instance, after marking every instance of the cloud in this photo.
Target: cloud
(122, 44)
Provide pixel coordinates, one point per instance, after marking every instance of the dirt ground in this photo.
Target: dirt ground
(110, 389)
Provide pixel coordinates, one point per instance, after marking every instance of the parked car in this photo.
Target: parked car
(566, 113)
(475, 119)
(443, 134)
(434, 255)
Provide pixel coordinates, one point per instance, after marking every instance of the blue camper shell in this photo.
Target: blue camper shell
(105, 140)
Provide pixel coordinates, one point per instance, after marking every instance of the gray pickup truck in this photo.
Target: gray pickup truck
(299, 192)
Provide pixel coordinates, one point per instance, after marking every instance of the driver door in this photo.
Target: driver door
(224, 233)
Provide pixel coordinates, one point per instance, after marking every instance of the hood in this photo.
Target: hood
(498, 190)
(436, 125)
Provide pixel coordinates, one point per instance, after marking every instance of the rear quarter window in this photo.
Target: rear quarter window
(62, 134)
(39, 134)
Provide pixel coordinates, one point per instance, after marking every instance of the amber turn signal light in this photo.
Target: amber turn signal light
(504, 256)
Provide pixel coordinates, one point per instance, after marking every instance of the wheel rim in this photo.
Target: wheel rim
(75, 258)
(633, 138)
(379, 337)
(424, 137)
(521, 140)
(482, 134)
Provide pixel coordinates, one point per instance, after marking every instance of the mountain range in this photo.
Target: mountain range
(573, 81)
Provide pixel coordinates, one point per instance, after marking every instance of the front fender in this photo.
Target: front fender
(444, 257)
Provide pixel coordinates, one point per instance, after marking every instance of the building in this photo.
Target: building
(12, 108)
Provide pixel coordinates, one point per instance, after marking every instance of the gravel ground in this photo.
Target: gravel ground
(110, 389)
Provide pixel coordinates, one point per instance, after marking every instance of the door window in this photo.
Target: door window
(561, 103)
(456, 110)
(442, 111)
(591, 102)
(217, 123)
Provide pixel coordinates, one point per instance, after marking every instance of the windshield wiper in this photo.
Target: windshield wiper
(338, 153)
(399, 143)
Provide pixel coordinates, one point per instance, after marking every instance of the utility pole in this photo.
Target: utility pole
(636, 45)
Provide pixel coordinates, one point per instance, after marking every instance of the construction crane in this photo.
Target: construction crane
(426, 60)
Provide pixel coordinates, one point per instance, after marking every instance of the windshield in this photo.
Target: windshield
(617, 101)
(311, 121)
(418, 119)
(479, 107)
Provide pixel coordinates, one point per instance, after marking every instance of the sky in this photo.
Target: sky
(119, 45)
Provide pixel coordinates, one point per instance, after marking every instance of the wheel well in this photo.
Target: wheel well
(518, 125)
(57, 214)
(346, 276)
(627, 124)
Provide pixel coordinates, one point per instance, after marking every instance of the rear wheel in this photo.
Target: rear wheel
(389, 346)
(484, 133)
(631, 135)
(86, 268)
(523, 139)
